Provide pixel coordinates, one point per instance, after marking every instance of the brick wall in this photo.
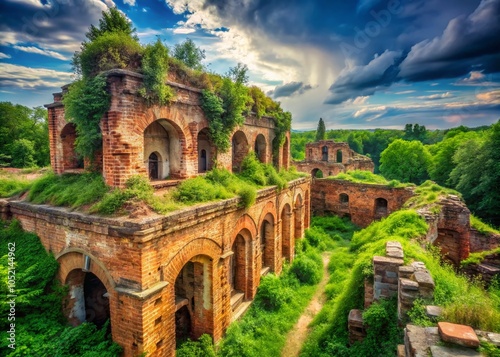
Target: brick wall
(361, 206)
(139, 260)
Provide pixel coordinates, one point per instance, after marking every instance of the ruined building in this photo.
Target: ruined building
(159, 278)
(331, 158)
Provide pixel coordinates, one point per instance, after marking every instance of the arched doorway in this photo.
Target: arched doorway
(260, 148)
(286, 237)
(380, 208)
(344, 199)
(193, 298)
(206, 151)
(163, 138)
(238, 270)
(70, 159)
(316, 173)
(239, 150)
(88, 299)
(154, 166)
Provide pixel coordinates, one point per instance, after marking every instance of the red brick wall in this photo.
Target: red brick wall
(124, 124)
(325, 197)
(138, 260)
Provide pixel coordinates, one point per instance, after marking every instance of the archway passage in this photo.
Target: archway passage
(163, 138)
(316, 173)
(380, 208)
(239, 150)
(87, 300)
(260, 148)
(286, 237)
(193, 299)
(206, 151)
(238, 266)
(68, 138)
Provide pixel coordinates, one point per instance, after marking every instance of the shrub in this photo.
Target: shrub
(253, 170)
(204, 347)
(306, 269)
(272, 293)
(248, 195)
(155, 69)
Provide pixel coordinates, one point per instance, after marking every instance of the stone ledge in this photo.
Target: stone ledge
(143, 294)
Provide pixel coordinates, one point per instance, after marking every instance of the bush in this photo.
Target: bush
(272, 294)
(204, 347)
(307, 268)
(23, 153)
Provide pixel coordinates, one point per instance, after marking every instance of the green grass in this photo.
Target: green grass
(41, 328)
(428, 194)
(367, 177)
(10, 186)
(482, 227)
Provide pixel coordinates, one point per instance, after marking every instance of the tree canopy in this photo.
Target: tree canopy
(406, 161)
(190, 54)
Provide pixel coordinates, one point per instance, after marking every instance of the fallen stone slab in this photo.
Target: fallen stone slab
(459, 334)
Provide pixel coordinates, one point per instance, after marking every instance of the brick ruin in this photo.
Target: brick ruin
(331, 158)
(362, 203)
(162, 278)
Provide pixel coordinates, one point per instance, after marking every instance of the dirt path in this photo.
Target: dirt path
(298, 334)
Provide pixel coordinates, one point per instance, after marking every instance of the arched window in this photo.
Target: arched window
(344, 198)
(380, 208)
(324, 152)
(339, 155)
(316, 173)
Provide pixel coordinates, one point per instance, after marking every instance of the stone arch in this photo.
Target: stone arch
(69, 158)
(91, 288)
(298, 217)
(239, 149)
(316, 173)
(380, 209)
(260, 148)
(286, 236)
(206, 151)
(165, 138)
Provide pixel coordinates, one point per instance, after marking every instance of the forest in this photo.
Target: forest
(461, 158)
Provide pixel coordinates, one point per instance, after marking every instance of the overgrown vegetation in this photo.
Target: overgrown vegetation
(427, 194)
(361, 176)
(41, 330)
(11, 185)
(88, 190)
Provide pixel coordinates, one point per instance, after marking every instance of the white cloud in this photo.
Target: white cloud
(4, 55)
(183, 30)
(491, 97)
(43, 52)
(436, 96)
(129, 2)
(405, 92)
(21, 77)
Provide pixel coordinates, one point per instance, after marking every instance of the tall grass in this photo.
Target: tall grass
(10, 186)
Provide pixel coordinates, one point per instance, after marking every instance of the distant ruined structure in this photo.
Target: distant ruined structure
(161, 278)
(332, 158)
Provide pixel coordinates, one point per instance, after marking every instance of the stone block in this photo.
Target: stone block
(394, 250)
(385, 261)
(459, 334)
(407, 284)
(433, 312)
(424, 279)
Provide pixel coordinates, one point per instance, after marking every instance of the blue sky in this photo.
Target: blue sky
(357, 64)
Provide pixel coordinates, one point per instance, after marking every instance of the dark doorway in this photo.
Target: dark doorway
(339, 156)
(324, 152)
(203, 161)
(153, 166)
(96, 300)
(182, 324)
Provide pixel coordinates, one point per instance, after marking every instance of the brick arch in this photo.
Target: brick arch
(298, 192)
(73, 258)
(200, 246)
(244, 222)
(283, 201)
(268, 208)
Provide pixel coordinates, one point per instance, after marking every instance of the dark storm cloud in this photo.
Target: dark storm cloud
(365, 80)
(466, 42)
(289, 89)
(58, 25)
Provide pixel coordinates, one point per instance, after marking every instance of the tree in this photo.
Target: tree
(415, 132)
(190, 54)
(23, 152)
(321, 131)
(406, 161)
(355, 143)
